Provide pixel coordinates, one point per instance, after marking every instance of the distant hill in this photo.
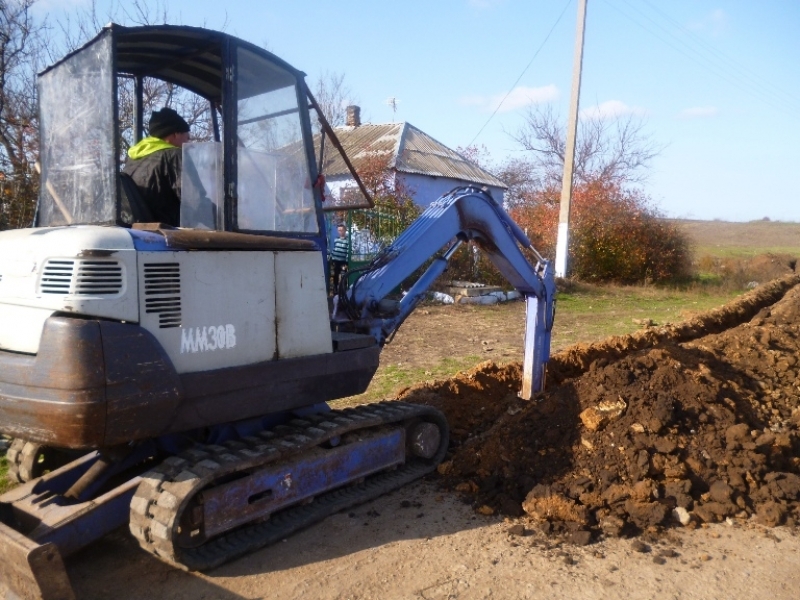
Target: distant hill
(735, 239)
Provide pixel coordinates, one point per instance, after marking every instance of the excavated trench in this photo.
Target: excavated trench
(689, 423)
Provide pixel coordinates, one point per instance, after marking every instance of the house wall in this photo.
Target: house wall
(425, 189)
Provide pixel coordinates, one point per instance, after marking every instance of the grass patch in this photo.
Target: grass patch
(392, 378)
(5, 484)
(722, 239)
(592, 313)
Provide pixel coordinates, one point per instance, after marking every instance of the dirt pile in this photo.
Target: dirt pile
(688, 423)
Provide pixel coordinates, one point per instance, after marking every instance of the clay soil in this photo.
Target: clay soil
(663, 464)
(701, 417)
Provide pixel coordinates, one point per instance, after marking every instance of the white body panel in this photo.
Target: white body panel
(209, 309)
(87, 270)
(227, 308)
(238, 308)
(21, 327)
(302, 305)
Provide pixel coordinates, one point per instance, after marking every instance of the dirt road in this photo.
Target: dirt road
(420, 543)
(565, 497)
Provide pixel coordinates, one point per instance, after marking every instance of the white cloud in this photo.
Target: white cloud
(698, 112)
(518, 98)
(611, 109)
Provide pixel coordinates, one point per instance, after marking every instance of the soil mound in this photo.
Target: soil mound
(688, 423)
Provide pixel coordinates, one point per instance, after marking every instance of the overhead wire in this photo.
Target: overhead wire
(723, 71)
(748, 73)
(521, 75)
(701, 54)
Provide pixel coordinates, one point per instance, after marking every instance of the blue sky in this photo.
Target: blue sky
(716, 82)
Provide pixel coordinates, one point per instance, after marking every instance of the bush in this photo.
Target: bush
(615, 235)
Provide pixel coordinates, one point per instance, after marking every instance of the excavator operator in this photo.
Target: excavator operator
(155, 165)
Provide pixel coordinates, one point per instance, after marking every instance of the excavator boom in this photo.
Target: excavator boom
(464, 214)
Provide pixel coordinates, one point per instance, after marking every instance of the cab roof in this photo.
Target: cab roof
(191, 57)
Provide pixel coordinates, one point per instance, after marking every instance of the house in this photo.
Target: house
(424, 167)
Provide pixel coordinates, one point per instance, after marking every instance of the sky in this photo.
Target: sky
(715, 82)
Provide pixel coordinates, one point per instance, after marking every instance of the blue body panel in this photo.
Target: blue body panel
(148, 241)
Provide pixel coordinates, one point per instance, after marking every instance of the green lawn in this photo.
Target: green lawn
(392, 377)
(592, 313)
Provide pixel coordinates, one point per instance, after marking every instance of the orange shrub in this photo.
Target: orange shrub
(615, 235)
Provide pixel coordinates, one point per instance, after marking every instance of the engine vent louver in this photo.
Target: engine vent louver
(98, 278)
(162, 293)
(57, 276)
(82, 277)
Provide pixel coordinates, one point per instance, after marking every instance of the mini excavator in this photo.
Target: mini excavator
(176, 379)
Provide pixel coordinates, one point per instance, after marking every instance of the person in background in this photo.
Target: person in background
(339, 255)
(155, 165)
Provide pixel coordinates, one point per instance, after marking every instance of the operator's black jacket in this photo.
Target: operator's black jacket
(157, 175)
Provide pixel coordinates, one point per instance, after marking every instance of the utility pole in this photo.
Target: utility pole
(562, 241)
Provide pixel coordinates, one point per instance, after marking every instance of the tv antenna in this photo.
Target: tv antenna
(393, 102)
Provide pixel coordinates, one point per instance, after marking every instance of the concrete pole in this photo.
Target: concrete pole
(562, 241)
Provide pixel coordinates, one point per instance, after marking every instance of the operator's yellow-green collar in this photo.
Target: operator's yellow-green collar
(147, 146)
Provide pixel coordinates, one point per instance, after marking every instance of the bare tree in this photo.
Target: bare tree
(520, 177)
(333, 95)
(86, 23)
(519, 174)
(21, 48)
(83, 24)
(616, 149)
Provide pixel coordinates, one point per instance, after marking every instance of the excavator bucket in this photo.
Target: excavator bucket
(30, 570)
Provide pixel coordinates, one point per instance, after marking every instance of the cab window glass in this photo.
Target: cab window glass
(273, 183)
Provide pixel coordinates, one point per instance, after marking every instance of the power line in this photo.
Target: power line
(723, 71)
(525, 70)
(721, 56)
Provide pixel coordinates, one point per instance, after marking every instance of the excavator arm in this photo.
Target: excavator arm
(464, 214)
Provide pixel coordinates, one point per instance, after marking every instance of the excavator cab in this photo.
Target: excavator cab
(254, 170)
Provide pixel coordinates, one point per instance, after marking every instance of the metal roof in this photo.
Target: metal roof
(409, 150)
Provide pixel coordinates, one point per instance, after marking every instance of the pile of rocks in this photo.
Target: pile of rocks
(465, 292)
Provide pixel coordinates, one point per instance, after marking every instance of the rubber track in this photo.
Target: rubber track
(29, 460)
(14, 459)
(166, 490)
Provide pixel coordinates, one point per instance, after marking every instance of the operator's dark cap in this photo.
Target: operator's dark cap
(166, 121)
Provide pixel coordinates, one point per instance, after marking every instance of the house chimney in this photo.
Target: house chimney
(353, 116)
